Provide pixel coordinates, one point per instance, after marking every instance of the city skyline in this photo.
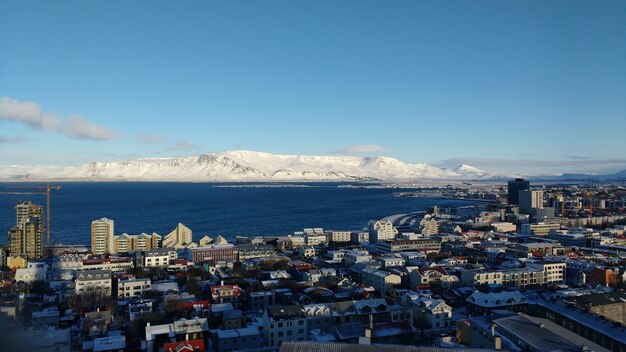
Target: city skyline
(527, 87)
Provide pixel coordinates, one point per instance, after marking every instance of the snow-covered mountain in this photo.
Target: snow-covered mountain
(251, 166)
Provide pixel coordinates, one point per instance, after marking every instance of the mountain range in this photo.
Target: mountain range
(250, 166)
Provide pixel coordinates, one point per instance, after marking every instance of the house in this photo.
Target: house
(196, 345)
(180, 330)
(383, 281)
(225, 294)
(436, 277)
(480, 303)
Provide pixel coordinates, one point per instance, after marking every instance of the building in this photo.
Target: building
(133, 287)
(426, 244)
(554, 272)
(26, 237)
(382, 281)
(114, 264)
(357, 256)
(338, 237)
(527, 250)
(214, 252)
(182, 330)
(428, 226)
(529, 200)
(35, 271)
(610, 305)
(284, 323)
(514, 187)
(381, 231)
(225, 294)
(102, 236)
(520, 277)
(540, 335)
(93, 281)
(539, 229)
(436, 277)
(180, 237)
(244, 339)
(432, 313)
(126, 243)
(480, 303)
(504, 227)
(158, 257)
(252, 251)
(604, 332)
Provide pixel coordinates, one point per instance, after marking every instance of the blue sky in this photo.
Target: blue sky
(526, 86)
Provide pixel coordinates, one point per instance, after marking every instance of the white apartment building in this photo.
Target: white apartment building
(554, 272)
(133, 287)
(97, 281)
(102, 236)
(315, 239)
(357, 256)
(338, 236)
(382, 281)
(381, 231)
(158, 258)
(388, 262)
(35, 271)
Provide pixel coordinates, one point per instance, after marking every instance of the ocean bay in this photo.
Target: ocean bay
(227, 209)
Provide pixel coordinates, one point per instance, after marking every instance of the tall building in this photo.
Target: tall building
(102, 236)
(515, 187)
(529, 200)
(26, 237)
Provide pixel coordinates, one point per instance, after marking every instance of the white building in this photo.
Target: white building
(35, 271)
(381, 231)
(382, 281)
(388, 262)
(357, 256)
(97, 281)
(158, 257)
(307, 252)
(338, 236)
(554, 272)
(133, 287)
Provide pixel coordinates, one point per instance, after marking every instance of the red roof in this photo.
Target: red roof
(236, 290)
(184, 346)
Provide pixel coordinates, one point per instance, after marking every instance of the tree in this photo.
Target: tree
(192, 286)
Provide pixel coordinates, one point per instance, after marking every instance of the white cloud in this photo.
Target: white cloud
(181, 145)
(151, 138)
(32, 115)
(364, 148)
(12, 140)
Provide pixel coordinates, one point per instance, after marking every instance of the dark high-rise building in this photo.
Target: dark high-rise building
(515, 187)
(25, 238)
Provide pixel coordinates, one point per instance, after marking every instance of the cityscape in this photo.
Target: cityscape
(528, 267)
(313, 176)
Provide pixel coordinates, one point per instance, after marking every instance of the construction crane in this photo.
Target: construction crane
(44, 189)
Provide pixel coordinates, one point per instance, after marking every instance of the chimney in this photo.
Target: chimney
(583, 348)
(147, 324)
(493, 329)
